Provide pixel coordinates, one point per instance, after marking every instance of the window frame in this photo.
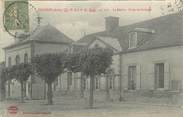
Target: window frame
(134, 39)
(17, 59)
(26, 58)
(132, 77)
(159, 75)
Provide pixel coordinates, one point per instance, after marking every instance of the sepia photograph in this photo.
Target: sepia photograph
(91, 58)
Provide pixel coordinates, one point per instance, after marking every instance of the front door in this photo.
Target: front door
(131, 77)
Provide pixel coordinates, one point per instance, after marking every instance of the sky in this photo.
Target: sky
(77, 24)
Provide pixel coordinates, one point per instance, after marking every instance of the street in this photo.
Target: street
(68, 106)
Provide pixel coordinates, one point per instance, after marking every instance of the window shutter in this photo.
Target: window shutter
(138, 77)
(166, 75)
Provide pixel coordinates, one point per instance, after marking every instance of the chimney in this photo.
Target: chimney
(111, 23)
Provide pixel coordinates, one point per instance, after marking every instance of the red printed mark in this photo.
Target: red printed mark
(12, 109)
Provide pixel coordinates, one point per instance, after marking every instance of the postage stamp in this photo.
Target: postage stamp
(16, 17)
(91, 58)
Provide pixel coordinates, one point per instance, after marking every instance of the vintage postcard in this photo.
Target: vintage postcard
(91, 58)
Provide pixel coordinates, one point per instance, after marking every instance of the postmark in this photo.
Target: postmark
(179, 5)
(16, 18)
(172, 7)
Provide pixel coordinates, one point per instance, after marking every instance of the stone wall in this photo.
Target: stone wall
(145, 61)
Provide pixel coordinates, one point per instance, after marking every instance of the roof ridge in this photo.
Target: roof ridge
(164, 34)
(148, 20)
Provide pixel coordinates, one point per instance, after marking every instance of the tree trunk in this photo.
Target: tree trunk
(54, 86)
(68, 81)
(9, 88)
(45, 90)
(32, 76)
(25, 88)
(3, 93)
(82, 85)
(60, 82)
(91, 98)
(3, 90)
(22, 91)
(49, 94)
(107, 88)
(121, 95)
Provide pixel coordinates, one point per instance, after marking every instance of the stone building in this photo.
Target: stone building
(74, 84)
(148, 52)
(46, 39)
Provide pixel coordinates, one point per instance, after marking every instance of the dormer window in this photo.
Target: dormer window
(132, 40)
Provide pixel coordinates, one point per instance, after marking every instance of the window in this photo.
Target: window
(84, 83)
(25, 58)
(132, 40)
(69, 76)
(17, 59)
(9, 61)
(132, 73)
(97, 83)
(110, 83)
(159, 75)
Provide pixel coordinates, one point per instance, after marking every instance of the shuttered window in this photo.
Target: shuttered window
(159, 75)
(132, 74)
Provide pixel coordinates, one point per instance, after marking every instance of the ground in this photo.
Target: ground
(72, 105)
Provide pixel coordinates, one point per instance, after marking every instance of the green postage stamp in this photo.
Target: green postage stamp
(16, 15)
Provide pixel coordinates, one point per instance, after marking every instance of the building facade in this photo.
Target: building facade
(149, 52)
(157, 69)
(47, 39)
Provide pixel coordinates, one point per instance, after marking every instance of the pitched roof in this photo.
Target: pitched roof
(46, 33)
(113, 42)
(158, 32)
